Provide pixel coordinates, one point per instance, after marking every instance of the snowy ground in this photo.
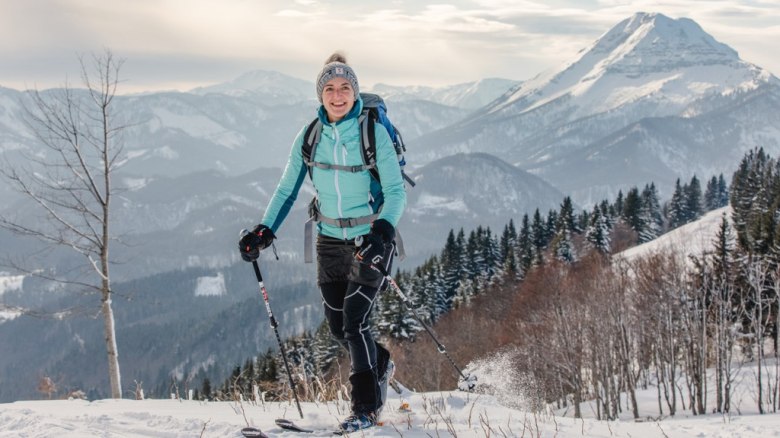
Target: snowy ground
(440, 414)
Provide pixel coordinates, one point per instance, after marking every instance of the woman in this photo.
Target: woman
(346, 275)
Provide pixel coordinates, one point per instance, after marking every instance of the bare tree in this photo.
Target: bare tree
(71, 186)
(757, 276)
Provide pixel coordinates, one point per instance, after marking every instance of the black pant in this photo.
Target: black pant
(349, 289)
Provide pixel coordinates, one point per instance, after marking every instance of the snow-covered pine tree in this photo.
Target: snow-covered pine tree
(509, 254)
(723, 192)
(711, 195)
(693, 200)
(678, 214)
(562, 244)
(431, 289)
(651, 214)
(525, 247)
(493, 263)
(598, 232)
(566, 216)
(551, 226)
(632, 213)
(451, 258)
(618, 205)
(750, 200)
(393, 319)
(539, 238)
(324, 348)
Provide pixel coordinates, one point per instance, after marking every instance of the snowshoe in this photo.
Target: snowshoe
(357, 422)
(253, 432)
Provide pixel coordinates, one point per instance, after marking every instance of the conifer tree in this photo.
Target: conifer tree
(324, 347)
(693, 200)
(723, 192)
(563, 247)
(525, 245)
(652, 218)
(618, 205)
(551, 226)
(750, 200)
(562, 244)
(452, 265)
(538, 237)
(598, 232)
(565, 218)
(711, 195)
(677, 207)
(632, 212)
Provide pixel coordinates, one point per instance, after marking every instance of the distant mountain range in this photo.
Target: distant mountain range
(653, 99)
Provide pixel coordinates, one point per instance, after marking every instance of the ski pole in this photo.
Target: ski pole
(275, 325)
(468, 379)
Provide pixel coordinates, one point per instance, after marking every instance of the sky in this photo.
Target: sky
(182, 44)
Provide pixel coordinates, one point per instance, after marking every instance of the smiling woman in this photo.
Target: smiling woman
(357, 215)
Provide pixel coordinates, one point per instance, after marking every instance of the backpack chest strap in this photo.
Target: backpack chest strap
(328, 166)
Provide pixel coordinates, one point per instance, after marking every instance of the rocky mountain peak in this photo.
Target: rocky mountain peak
(647, 42)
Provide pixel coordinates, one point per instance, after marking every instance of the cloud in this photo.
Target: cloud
(400, 42)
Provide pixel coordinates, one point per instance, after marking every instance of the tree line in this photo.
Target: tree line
(477, 264)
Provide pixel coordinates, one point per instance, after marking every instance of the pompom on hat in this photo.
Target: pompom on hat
(336, 67)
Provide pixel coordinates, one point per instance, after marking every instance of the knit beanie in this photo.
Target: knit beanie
(336, 67)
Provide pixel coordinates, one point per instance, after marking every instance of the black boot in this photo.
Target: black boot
(365, 392)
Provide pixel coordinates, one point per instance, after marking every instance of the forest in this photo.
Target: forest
(576, 321)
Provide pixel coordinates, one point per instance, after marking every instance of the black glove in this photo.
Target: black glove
(250, 245)
(372, 245)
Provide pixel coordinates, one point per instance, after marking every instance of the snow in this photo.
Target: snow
(198, 126)
(211, 286)
(690, 239)
(134, 184)
(448, 413)
(10, 282)
(498, 410)
(429, 202)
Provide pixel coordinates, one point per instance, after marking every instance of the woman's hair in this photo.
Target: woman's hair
(337, 57)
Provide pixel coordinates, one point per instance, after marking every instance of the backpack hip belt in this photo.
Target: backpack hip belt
(316, 216)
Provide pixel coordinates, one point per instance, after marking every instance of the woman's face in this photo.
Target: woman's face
(338, 97)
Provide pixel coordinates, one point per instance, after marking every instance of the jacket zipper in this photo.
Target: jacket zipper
(336, 147)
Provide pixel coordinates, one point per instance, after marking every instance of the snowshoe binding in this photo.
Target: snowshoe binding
(356, 422)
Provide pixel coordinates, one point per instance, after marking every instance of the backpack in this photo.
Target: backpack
(374, 111)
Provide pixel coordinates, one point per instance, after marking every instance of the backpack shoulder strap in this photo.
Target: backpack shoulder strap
(311, 137)
(368, 141)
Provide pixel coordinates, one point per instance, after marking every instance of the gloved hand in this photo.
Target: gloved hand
(372, 246)
(250, 245)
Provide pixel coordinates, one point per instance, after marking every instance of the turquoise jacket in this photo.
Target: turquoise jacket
(342, 194)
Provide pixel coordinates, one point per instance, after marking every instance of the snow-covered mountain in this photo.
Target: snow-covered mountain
(565, 125)
(470, 95)
(234, 127)
(269, 86)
